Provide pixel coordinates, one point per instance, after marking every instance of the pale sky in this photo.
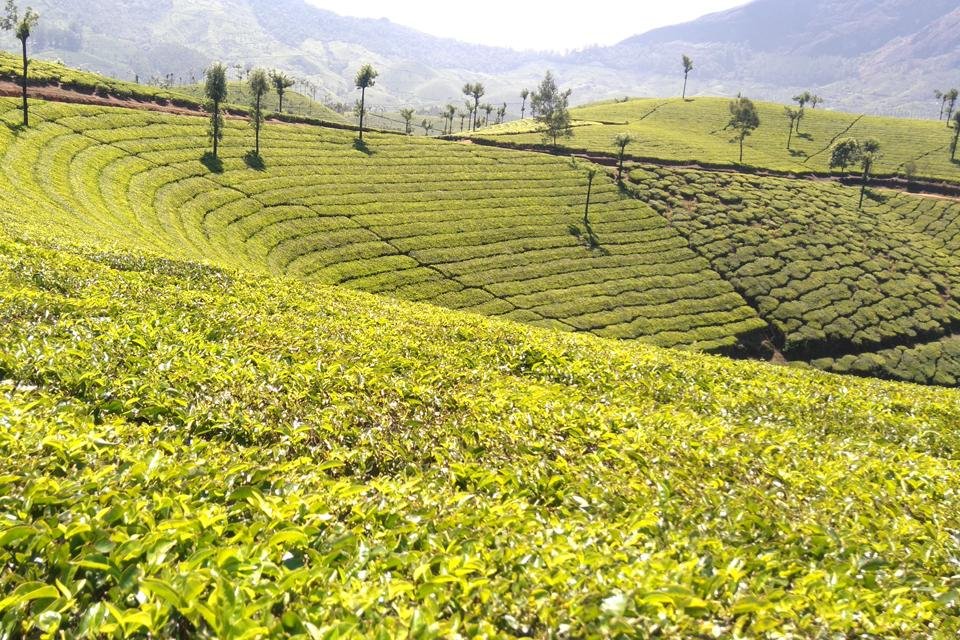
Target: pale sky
(532, 24)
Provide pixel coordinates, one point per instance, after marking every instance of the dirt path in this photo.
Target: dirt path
(56, 93)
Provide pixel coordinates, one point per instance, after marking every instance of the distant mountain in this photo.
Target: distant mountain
(879, 55)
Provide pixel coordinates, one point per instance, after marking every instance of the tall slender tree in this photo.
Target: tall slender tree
(215, 89)
(502, 113)
(743, 119)
(956, 136)
(815, 100)
(687, 68)
(366, 78)
(869, 154)
(621, 141)
(802, 100)
(951, 97)
(475, 91)
(792, 115)
(487, 110)
(549, 105)
(450, 113)
(407, 115)
(259, 85)
(281, 82)
(21, 25)
(524, 94)
(942, 99)
(591, 174)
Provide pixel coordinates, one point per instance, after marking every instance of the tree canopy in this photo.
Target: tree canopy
(550, 108)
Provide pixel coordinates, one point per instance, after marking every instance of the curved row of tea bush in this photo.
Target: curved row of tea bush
(458, 225)
(192, 452)
(833, 279)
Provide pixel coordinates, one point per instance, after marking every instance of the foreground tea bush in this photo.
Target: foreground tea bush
(196, 452)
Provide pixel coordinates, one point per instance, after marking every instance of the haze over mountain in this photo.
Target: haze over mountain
(877, 56)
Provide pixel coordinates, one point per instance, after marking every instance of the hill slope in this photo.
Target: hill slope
(209, 453)
(695, 132)
(460, 225)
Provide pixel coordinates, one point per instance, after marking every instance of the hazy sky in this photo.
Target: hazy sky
(528, 24)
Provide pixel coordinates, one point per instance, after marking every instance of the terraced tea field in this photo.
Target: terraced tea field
(463, 226)
(694, 132)
(839, 284)
(195, 452)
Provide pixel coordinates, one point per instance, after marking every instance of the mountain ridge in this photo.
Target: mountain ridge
(882, 57)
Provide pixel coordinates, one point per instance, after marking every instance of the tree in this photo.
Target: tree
(281, 82)
(942, 99)
(502, 113)
(549, 106)
(259, 85)
(802, 100)
(476, 91)
(21, 25)
(591, 174)
(487, 110)
(451, 112)
(956, 136)
(792, 115)
(525, 93)
(463, 113)
(215, 89)
(365, 79)
(407, 115)
(815, 100)
(869, 154)
(427, 126)
(844, 153)
(621, 141)
(951, 97)
(743, 119)
(687, 68)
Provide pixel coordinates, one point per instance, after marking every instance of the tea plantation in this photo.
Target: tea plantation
(838, 284)
(459, 225)
(197, 452)
(694, 131)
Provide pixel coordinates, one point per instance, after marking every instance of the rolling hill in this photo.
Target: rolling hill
(694, 132)
(882, 57)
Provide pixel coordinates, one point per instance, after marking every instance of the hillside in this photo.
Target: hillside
(206, 453)
(694, 131)
(459, 225)
(884, 56)
(750, 266)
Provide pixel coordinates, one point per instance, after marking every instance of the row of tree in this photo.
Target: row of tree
(259, 83)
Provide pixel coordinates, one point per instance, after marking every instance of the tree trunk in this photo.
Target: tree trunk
(363, 100)
(741, 148)
(586, 211)
(257, 128)
(790, 138)
(26, 112)
(280, 107)
(216, 127)
(523, 108)
(620, 168)
(956, 140)
(684, 86)
(863, 186)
